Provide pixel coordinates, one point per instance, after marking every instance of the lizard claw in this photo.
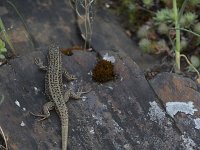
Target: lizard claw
(80, 91)
(73, 77)
(33, 114)
(42, 119)
(38, 115)
(38, 61)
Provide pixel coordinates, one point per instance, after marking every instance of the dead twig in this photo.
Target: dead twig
(5, 140)
(2, 99)
(85, 13)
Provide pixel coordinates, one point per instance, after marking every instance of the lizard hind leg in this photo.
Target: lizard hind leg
(78, 94)
(46, 110)
(74, 95)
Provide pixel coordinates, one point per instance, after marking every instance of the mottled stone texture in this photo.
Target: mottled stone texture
(174, 88)
(128, 113)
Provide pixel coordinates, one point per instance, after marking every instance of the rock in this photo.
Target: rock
(121, 114)
(46, 22)
(3, 11)
(22, 85)
(180, 97)
(109, 35)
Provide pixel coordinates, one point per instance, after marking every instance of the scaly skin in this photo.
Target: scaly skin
(54, 90)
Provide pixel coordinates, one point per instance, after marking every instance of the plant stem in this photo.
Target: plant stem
(178, 40)
(196, 34)
(191, 65)
(182, 8)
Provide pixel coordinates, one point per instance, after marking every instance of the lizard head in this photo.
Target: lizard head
(54, 52)
(54, 48)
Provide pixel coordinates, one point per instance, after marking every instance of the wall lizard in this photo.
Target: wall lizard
(54, 90)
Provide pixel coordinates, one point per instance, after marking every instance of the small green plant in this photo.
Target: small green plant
(190, 19)
(169, 26)
(145, 45)
(6, 37)
(148, 3)
(178, 35)
(195, 61)
(168, 23)
(3, 50)
(132, 10)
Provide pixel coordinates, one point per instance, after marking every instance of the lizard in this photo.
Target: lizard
(54, 90)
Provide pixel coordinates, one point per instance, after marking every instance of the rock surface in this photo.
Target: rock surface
(181, 98)
(106, 27)
(115, 115)
(128, 113)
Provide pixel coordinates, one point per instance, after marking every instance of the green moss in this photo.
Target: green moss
(148, 3)
(132, 11)
(145, 45)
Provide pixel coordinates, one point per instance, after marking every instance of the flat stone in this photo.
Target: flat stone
(3, 11)
(121, 114)
(125, 113)
(109, 35)
(46, 22)
(180, 96)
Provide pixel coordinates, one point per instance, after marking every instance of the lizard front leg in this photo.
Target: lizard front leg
(68, 76)
(40, 64)
(46, 110)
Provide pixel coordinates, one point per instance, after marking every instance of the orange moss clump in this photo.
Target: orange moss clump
(103, 71)
(68, 51)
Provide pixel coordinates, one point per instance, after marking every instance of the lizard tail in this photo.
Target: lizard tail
(64, 134)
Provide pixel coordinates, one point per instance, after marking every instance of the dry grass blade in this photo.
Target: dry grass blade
(25, 26)
(5, 140)
(2, 99)
(191, 65)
